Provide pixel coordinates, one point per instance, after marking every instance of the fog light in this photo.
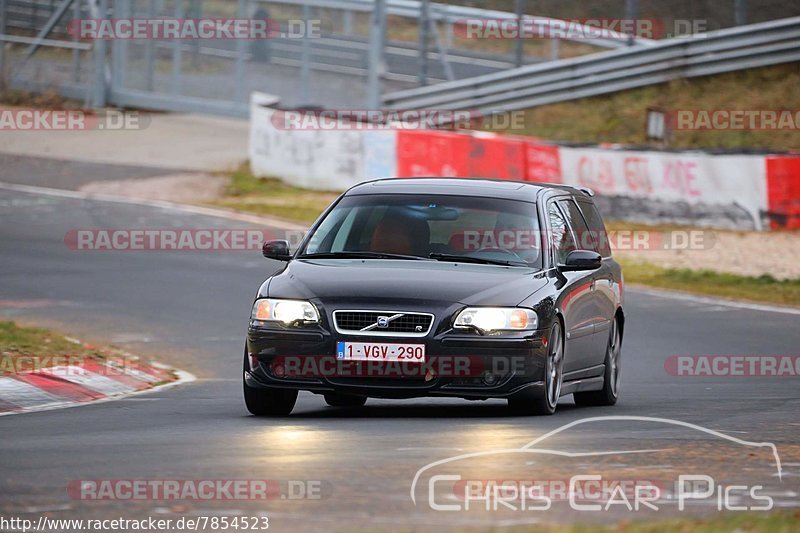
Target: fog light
(277, 370)
(489, 379)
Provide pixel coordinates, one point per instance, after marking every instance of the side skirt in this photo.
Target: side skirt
(580, 385)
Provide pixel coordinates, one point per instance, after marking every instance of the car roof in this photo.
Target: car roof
(493, 188)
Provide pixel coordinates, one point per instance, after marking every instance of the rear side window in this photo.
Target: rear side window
(561, 239)
(596, 226)
(583, 236)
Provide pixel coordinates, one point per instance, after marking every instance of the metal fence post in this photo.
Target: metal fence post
(631, 12)
(119, 48)
(555, 49)
(2, 45)
(305, 59)
(347, 22)
(377, 39)
(177, 55)
(424, 17)
(76, 54)
(100, 81)
(149, 56)
(241, 49)
(740, 12)
(519, 8)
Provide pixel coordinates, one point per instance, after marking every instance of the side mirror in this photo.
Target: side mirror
(276, 250)
(578, 260)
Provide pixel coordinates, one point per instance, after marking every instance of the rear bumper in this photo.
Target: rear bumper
(457, 364)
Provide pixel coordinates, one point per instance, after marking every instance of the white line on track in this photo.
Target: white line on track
(162, 204)
(714, 301)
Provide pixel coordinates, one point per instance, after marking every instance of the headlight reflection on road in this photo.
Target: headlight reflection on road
(292, 435)
(291, 440)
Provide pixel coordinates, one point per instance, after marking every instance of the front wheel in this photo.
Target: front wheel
(610, 392)
(544, 401)
(268, 402)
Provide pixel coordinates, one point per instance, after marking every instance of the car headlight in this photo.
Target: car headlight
(486, 319)
(286, 311)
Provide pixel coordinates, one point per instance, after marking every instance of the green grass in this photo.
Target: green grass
(620, 117)
(764, 288)
(272, 197)
(48, 99)
(27, 348)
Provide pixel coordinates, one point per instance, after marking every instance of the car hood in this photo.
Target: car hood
(394, 281)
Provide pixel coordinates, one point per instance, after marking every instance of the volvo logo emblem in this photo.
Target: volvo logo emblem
(382, 322)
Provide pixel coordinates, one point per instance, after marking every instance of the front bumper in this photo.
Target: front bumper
(458, 364)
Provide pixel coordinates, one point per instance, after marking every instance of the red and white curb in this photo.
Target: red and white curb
(90, 382)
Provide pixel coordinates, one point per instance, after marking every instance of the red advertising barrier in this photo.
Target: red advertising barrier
(495, 156)
(783, 191)
(432, 153)
(443, 153)
(543, 163)
(487, 155)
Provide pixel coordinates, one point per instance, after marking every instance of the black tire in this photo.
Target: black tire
(544, 401)
(609, 394)
(335, 399)
(268, 402)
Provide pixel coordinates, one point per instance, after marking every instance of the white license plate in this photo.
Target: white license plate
(379, 351)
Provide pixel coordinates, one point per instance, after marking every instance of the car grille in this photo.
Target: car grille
(406, 325)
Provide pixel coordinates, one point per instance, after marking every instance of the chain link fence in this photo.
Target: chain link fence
(329, 68)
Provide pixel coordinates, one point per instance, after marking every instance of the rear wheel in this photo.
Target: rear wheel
(610, 392)
(335, 399)
(268, 402)
(543, 401)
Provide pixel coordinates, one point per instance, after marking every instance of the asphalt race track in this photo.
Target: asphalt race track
(190, 309)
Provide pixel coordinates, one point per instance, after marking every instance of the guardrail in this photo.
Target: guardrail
(451, 14)
(727, 50)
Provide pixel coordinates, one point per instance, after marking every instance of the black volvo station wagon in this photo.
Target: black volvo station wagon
(467, 288)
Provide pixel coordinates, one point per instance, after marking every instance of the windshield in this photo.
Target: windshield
(444, 228)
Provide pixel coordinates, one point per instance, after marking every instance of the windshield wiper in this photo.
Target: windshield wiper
(361, 255)
(473, 259)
